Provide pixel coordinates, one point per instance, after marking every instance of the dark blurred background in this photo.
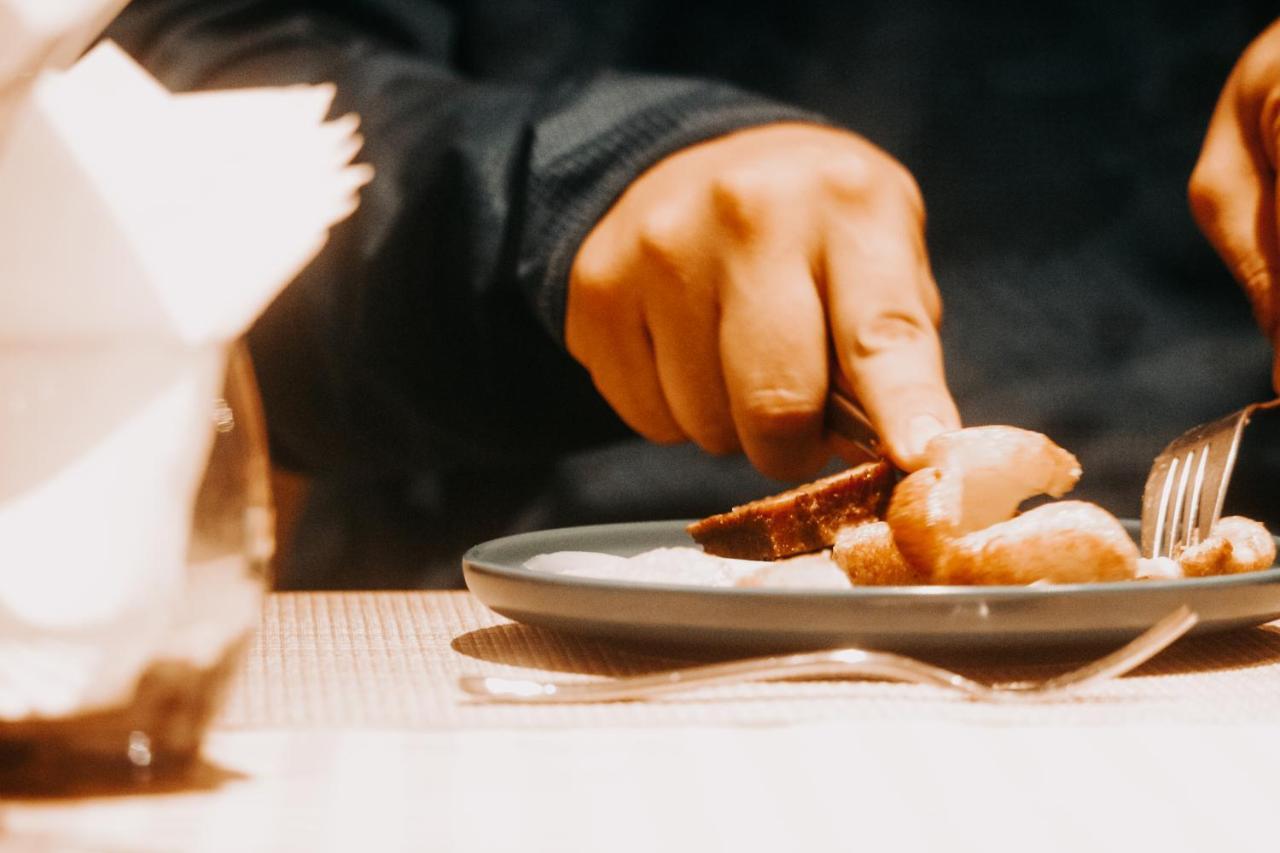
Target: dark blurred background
(1053, 144)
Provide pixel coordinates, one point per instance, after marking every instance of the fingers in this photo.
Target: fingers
(773, 344)
(739, 363)
(881, 314)
(686, 350)
(605, 331)
(707, 300)
(1233, 189)
(1233, 198)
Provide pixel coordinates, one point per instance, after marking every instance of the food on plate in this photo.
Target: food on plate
(659, 565)
(974, 478)
(954, 519)
(1234, 545)
(799, 520)
(1158, 569)
(694, 567)
(803, 571)
(1066, 542)
(868, 556)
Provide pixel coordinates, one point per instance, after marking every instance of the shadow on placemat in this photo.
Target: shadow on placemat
(1246, 648)
(559, 651)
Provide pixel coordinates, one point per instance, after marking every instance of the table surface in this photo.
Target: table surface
(345, 730)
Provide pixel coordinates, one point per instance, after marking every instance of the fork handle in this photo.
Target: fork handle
(1262, 407)
(849, 663)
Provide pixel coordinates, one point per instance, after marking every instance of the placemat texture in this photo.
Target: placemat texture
(391, 661)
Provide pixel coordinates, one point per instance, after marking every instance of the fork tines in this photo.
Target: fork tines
(1188, 482)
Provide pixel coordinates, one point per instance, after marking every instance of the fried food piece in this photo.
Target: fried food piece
(799, 520)
(1065, 542)
(974, 478)
(869, 557)
(953, 520)
(1235, 544)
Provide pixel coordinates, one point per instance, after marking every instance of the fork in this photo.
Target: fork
(1179, 507)
(850, 662)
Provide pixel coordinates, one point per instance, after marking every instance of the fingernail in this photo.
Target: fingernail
(920, 429)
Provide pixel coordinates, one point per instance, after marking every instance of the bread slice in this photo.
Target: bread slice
(799, 520)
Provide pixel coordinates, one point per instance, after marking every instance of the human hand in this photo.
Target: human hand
(709, 302)
(1233, 186)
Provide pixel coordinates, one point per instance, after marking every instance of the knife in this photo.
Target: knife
(845, 418)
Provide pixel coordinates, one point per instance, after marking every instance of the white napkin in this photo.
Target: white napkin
(140, 233)
(36, 34)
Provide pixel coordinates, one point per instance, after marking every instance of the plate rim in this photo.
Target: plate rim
(473, 559)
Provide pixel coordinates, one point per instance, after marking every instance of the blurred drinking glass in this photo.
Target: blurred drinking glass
(157, 730)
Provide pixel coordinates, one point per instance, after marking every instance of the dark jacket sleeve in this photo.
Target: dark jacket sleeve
(427, 334)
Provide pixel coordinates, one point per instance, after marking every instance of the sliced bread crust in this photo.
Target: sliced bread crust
(798, 520)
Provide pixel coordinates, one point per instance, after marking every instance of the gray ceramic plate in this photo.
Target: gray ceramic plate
(905, 619)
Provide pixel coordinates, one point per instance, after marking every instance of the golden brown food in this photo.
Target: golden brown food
(954, 523)
(799, 520)
(973, 478)
(868, 556)
(1065, 542)
(1235, 545)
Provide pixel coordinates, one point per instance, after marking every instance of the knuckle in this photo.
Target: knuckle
(849, 175)
(909, 188)
(1257, 279)
(592, 272)
(661, 235)
(1202, 195)
(1255, 273)
(862, 177)
(888, 330)
(744, 197)
(777, 412)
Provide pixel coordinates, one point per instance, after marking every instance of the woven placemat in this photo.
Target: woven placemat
(392, 660)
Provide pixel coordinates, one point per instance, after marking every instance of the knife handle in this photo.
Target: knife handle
(845, 418)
